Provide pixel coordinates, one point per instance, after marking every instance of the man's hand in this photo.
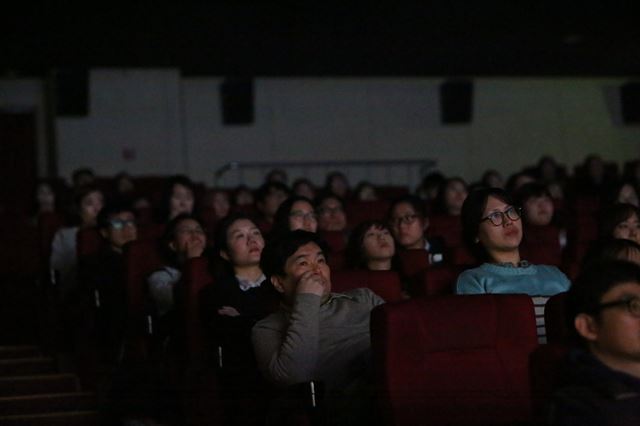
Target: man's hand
(311, 282)
(229, 311)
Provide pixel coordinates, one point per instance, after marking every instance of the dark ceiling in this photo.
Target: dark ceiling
(470, 38)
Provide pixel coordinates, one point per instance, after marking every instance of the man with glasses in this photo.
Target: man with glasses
(102, 281)
(601, 385)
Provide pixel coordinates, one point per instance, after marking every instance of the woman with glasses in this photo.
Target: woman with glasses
(493, 230)
(296, 212)
(408, 223)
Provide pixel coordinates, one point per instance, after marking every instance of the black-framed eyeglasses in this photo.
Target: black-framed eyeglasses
(302, 215)
(119, 224)
(497, 218)
(632, 305)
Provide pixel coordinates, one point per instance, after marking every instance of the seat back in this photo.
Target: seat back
(541, 245)
(360, 211)
(554, 319)
(448, 227)
(89, 241)
(385, 284)
(545, 366)
(455, 360)
(141, 257)
(413, 261)
(435, 281)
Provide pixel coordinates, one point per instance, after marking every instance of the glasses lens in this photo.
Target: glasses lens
(513, 213)
(496, 218)
(634, 307)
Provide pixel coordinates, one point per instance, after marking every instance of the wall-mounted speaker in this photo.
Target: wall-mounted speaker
(630, 103)
(71, 92)
(456, 102)
(236, 95)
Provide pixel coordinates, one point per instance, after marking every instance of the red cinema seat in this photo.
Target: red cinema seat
(336, 240)
(545, 366)
(454, 360)
(413, 261)
(435, 281)
(140, 259)
(89, 241)
(541, 245)
(554, 319)
(448, 227)
(361, 211)
(385, 284)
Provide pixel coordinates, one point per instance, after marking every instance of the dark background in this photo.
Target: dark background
(266, 38)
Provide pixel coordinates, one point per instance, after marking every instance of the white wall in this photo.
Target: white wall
(157, 122)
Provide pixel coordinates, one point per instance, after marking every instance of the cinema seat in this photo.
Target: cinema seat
(385, 284)
(454, 360)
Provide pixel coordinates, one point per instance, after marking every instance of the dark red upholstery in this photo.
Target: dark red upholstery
(151, 231)
(390, 192)
(554, 319)
(140, 259)
(435, 281)
(448, 227)
(385, 284)
(89, 241)
(195, 277)
(360, 211)
(546, 363)
(455, 360)
(336, 240)
(413, 261)
(541, 245)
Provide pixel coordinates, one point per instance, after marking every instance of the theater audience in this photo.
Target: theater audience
(178, 198)
(493, 230)
(430, 187)
(316, 335)
(183, 239)
(408, 223)
(88, 201)
(81, 177)
(371, 247)
(337, 184)
(624, 193)
(268, 198)
(230, 307)
(365, 191)
(600, 384)
(296, 212)
(613, 249)
(242, 197)
(304, 187)
(621, 221)
(331, 213)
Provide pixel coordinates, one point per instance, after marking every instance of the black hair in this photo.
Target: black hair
(414, 201)
(267, 187)
(472, 214)
(530, 190)
(610, 249)
(594, 281)
(614, 215)
(77, 173)
(168, 192)
(354, 251)
(440, 203)
(326, 196)
(361, 186)
(278, 250)
(112, 209)
(281, 218)
(171, 256)
(220, 239)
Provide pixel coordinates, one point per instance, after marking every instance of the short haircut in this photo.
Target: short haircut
(614, 215)
(594, 281)
(278, 250)
(611, 249)
(354, 251)
(326, 196)
(418, 204)
(77, 173)
(267, 187)
(530, 190)
(439, 204)
(472, 215)
(82, 192)
(111, 210)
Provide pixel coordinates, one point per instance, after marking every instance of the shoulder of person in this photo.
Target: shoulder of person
(364, 295)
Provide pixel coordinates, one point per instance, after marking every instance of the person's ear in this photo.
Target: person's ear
(586, 326)
(425, 223)
(225, 255)
(276, 281)
(172, 246)
(104, 233)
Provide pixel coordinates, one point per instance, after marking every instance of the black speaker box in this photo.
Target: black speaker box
(630, 102)
(456, 101)
(237, 101)
(72, 92)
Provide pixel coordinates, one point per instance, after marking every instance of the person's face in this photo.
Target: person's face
(84, 179)
(454, 195)
(244, 244)
(614, 335)
(339, 186)
(596, 169)
(122, 229)
(367, 193)
(377, 244)
(494, 180)
(272, 201)
(628, 195)
(90, 206)
(502, 238)
(303, 216)
(628, 229)
(331, 215)
(538, 210)
(408, 226)
(125, 185)
(188, 234)
(309, 258)
(45, 196)
(244, 198)
(220, 204)
(181, 200)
